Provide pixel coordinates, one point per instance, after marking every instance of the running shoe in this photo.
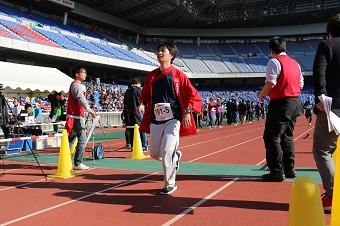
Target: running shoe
(168, 190)
(81, 166)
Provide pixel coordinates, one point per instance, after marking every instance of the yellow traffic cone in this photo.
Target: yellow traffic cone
(137, 150)
(335, 217)
(65, 169)
(73, 149)
(305, 208)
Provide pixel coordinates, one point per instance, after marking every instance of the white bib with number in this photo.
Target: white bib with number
(163, 112)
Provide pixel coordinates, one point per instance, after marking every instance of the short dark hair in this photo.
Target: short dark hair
(171, 47)
(28, 105)
(134, 81)
(333, 26)
(277, 45)
(76, 69)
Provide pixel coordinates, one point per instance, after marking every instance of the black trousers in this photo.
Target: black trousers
(5, 130)
(131, 121)
(278, 133)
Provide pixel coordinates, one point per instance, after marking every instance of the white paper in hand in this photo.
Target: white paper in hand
(335, 120)
(327, 104)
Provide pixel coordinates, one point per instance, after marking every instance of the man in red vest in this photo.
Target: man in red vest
(284, 82)
(75, 122)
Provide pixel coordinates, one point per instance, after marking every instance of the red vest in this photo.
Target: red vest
(288, 82)
(73, 107)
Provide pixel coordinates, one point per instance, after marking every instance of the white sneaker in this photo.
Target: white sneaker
(81, 166)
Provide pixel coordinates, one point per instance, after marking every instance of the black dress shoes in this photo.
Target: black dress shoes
(273, 177)
(290, 173)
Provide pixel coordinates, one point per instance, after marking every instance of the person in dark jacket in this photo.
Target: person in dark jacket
(326, 79)
(242, 110)
(131, 104)
(57, 108)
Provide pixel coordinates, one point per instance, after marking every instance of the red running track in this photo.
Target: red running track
(130, 197)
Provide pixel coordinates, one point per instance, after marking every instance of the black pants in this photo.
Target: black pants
(131, 121)
(308, 116)
(278, 133)
(197, 120)
(5, 130)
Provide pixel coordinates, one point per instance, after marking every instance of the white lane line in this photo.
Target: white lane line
(219, 138)
(75, 200)
(188, 210)
(225, 129)
(213, 153)
(37, 181)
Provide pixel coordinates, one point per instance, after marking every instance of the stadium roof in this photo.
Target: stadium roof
(200, 14)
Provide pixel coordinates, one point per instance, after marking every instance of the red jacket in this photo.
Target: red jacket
(185, 92)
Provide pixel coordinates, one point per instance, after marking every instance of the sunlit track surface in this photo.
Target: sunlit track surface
(130, 195)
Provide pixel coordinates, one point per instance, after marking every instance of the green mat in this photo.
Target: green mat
(111, 135)
(189, 168)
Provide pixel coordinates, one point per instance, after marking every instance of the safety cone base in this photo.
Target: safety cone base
(138, 157)
(65, 169)
(137, 150)
(63, 176)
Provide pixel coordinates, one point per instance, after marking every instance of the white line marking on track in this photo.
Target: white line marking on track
(33, 182)
(75, 200)
(211, 140)
(213, 153)
(173, 220)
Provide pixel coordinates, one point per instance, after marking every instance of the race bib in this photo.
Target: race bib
(163, 112)
(309, 106)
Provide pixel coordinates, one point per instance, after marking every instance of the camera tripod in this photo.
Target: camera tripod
(5, 120)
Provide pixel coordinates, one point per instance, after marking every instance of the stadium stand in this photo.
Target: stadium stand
(209, 58)
(203, 58)
(257, 64)
(230, 65)
(241, 65)
(244, 49)
(216, 65)
(196, 65)
(202, 50)
(300, 48)
(227, 50)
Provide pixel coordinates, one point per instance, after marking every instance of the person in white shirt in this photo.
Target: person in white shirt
(16, 107)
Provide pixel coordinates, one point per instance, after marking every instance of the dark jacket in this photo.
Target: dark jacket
(326, 72)
(54, 104)
(131, 101)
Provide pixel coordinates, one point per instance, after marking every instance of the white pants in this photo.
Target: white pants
(164, 140)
